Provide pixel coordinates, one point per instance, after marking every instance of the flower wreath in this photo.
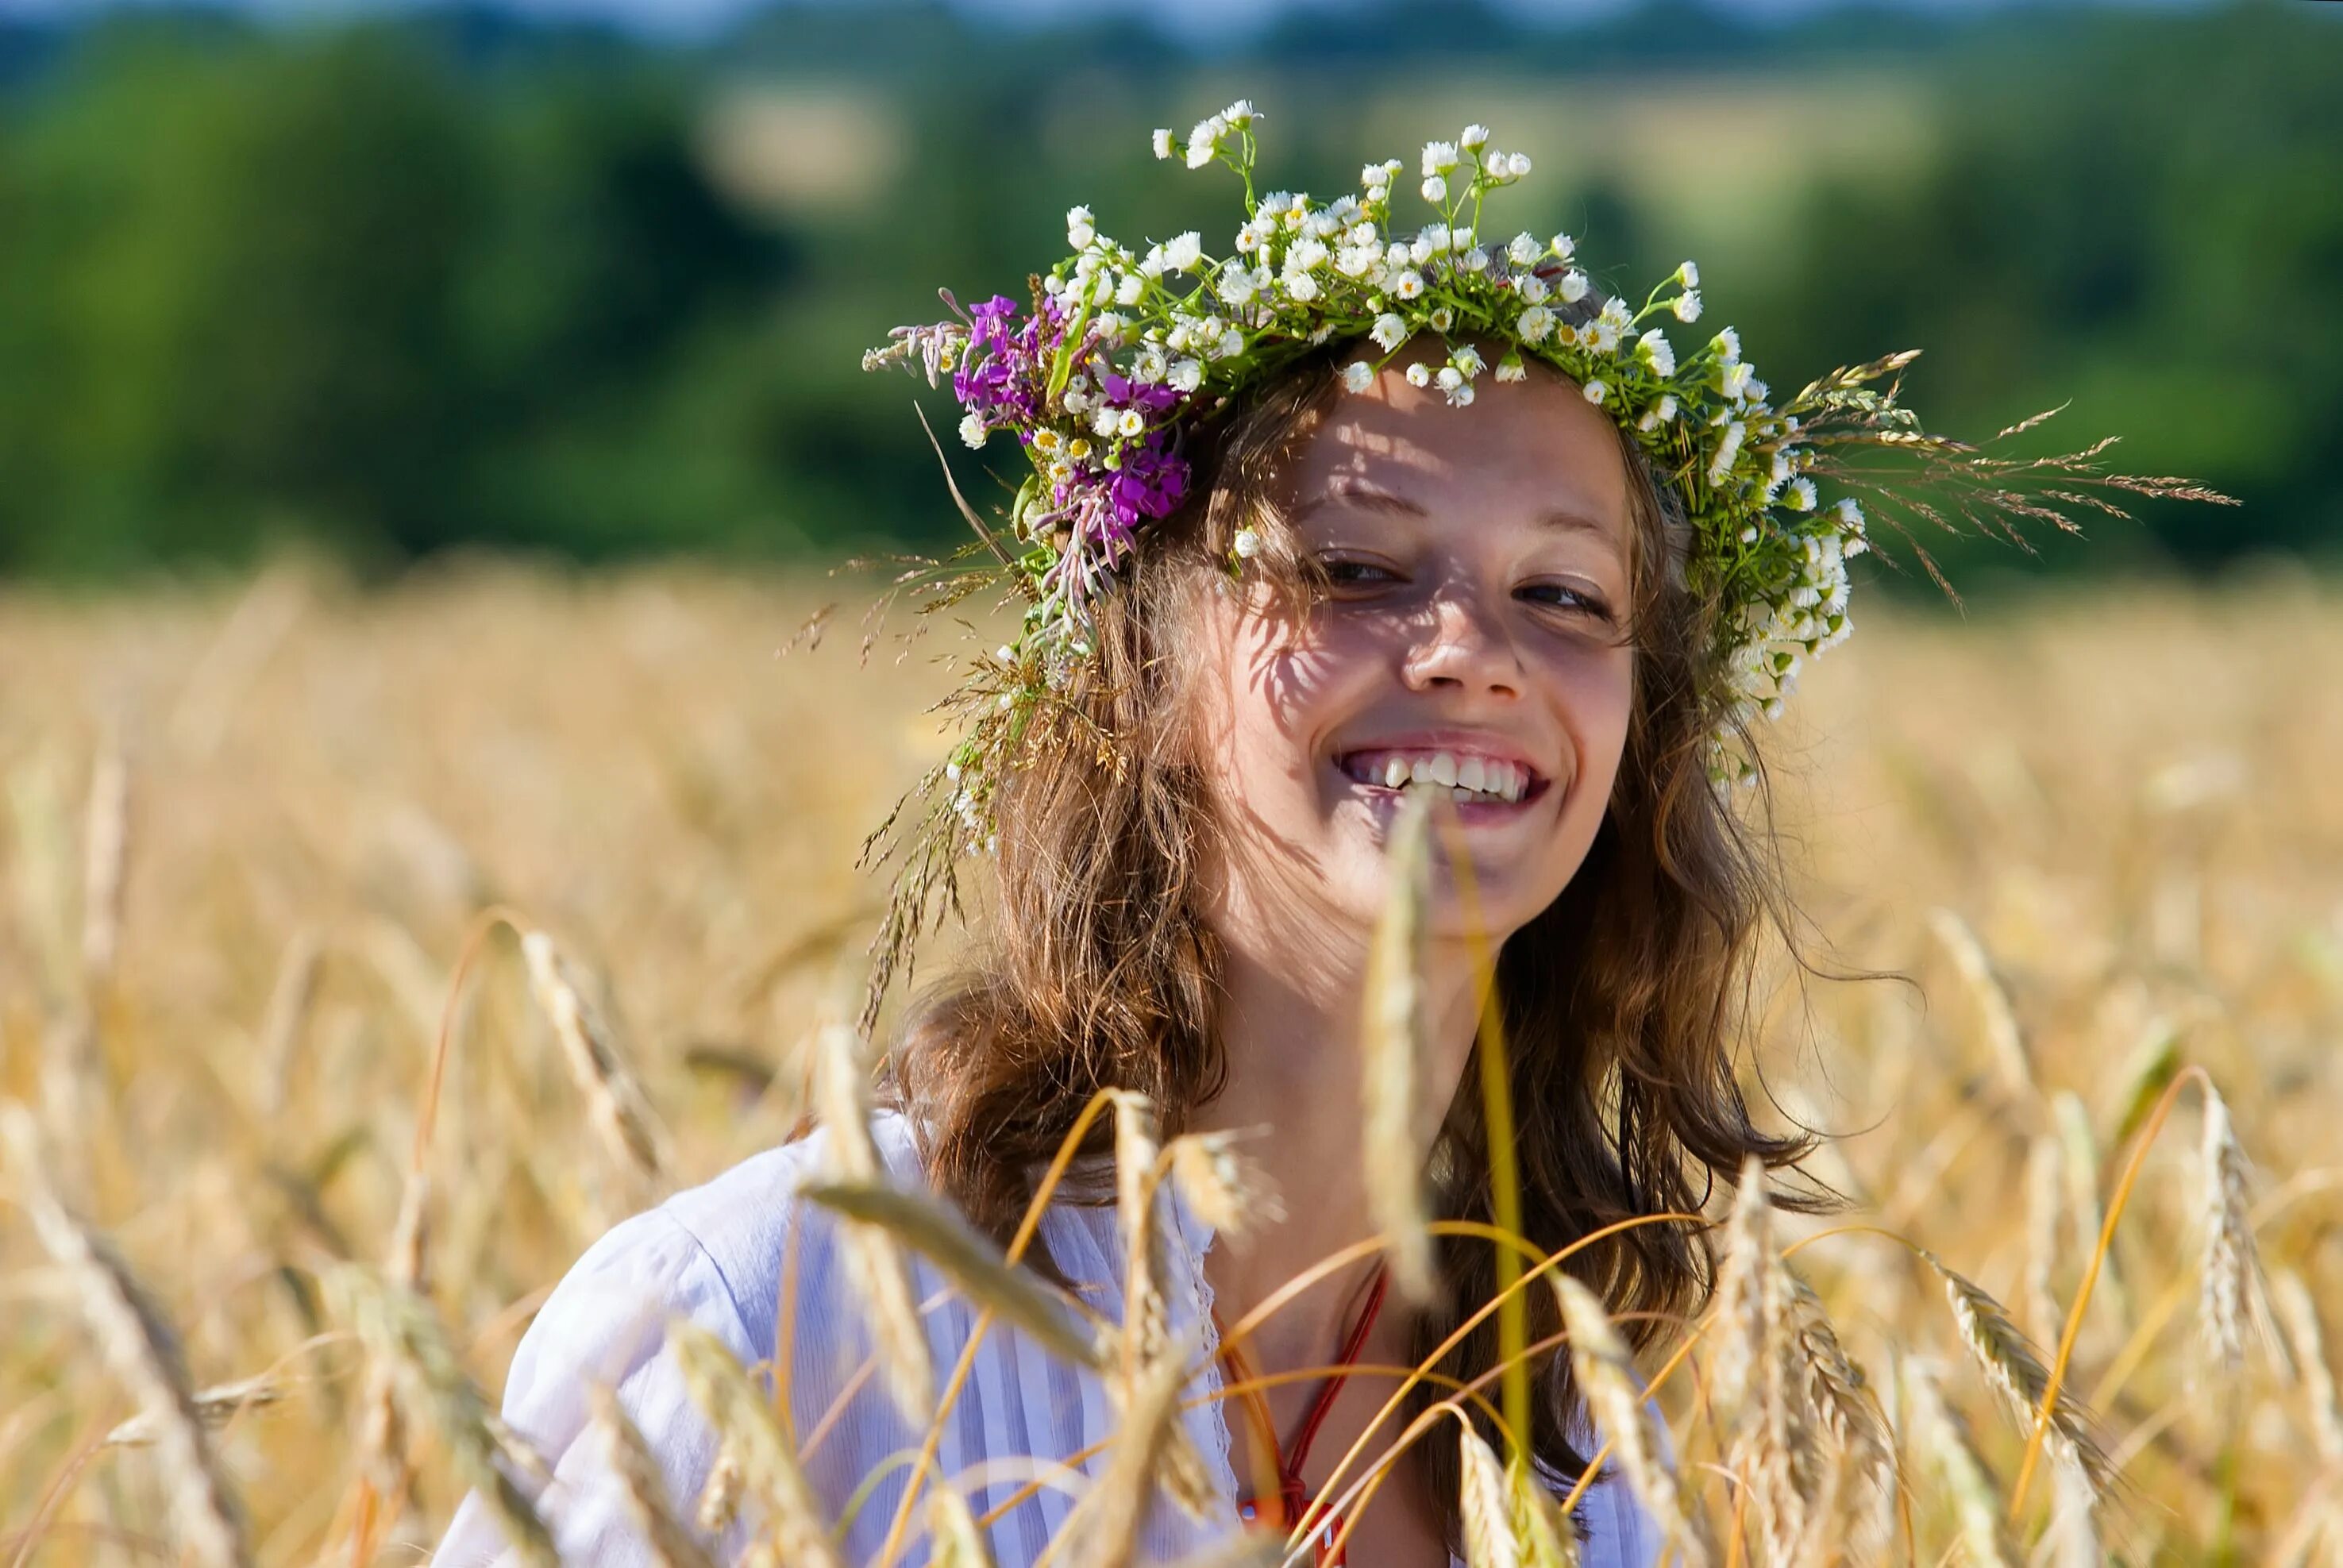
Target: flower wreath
(1118, 356)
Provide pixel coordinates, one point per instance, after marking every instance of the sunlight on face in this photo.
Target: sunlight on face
(1481, 569)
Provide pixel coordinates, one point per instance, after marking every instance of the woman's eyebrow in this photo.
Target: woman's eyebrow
(1371, 499)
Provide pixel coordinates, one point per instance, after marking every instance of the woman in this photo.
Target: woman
(1288, 554)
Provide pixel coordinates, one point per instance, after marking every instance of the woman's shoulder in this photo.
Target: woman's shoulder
(715, 1249)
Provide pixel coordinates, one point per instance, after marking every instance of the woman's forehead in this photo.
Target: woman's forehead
(1522, 448)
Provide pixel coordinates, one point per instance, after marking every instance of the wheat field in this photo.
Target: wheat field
(251, 826)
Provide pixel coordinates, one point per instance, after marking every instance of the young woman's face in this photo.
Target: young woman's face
(1479, 557)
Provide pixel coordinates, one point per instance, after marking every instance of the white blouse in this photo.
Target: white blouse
(714, 1254)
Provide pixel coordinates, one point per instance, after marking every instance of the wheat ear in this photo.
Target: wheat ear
(2008, 1360)
(745, 1425)
(2298, 1314)
(1976, 1502)
(1104, 1525)
(616, 1104)
(958, 1543)
(2235, 1301)
(1226, 1190)
(971, 1259)
(141, 1351)
(1146, 1332)
(2004, 1042)
(1606, 1377)
(105, 857)
(1547, 1538)
(1392, 1039)
(1485, 1506)
(671, 1545)
(876, 1269)
(720, 1500)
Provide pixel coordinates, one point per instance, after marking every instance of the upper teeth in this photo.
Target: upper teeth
(1472, 777)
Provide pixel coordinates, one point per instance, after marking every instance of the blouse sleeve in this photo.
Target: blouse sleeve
(606, 1322)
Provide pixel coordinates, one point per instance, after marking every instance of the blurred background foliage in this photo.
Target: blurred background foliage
(395, 284)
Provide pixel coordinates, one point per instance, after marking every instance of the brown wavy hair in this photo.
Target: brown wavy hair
(1620, 1001)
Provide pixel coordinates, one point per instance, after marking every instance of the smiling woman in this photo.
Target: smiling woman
(1274, 584)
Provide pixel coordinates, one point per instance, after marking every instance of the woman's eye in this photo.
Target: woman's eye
(1563, 595)
(1357, 572)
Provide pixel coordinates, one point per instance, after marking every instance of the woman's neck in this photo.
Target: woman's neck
(1290, 1025)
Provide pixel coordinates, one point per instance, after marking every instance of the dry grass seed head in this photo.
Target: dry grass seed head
(615, 1100)
(1226, 1190)
(2004, 1045)
(2234, 1303)
(2008, 1360)
(406, 1342)
(745, 1425)
(671, 1545)
(720, 1500)
(1940, 1433)
(1606, 1375)
(1740, 1305)
(1484, 1507)
(2297, 1314)
(958, 1543)
(1547, 1540)
(1104, 1525)
(970, 1259)
(140, 1349)
(874, 1267)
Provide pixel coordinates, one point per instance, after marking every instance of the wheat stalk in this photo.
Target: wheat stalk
(1485, 1506)
(615, 1100)
(105, 857)
(2045, 1208)
(671, 1545)
(1863, 1444)
(141, 1351)
(1606, 1375)
(947, 1239)
(879, 1272)
(1393, 1041)
(745, 1424)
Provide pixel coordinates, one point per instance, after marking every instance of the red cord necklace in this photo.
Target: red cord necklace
(1292, 1493)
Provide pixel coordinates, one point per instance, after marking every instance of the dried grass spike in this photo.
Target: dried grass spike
(1104, 1525)
(1224, 1189)
(2234, 1305)
(2008, 1360)
(958, 1543)
(2297, 1314)
(671, 1545)
(1740, 1304)
(1547, 1538)
(616, 1102)
(1484, 1506)
(974, 1264)
(408, 1348)
(1606, 1376)
(1393, 1038)
(874, 1267)
(1940, 1433)
(743, 1418)
(141, 1351)
(720, 1500)
(2004, 1042)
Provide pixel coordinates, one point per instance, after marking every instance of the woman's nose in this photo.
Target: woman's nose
(1463, 644)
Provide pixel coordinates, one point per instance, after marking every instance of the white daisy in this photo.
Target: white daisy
(1389, 331)
(1595, 391)
(1079, 228)
(1419, 374)
(1358, 375)
(971, 430)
